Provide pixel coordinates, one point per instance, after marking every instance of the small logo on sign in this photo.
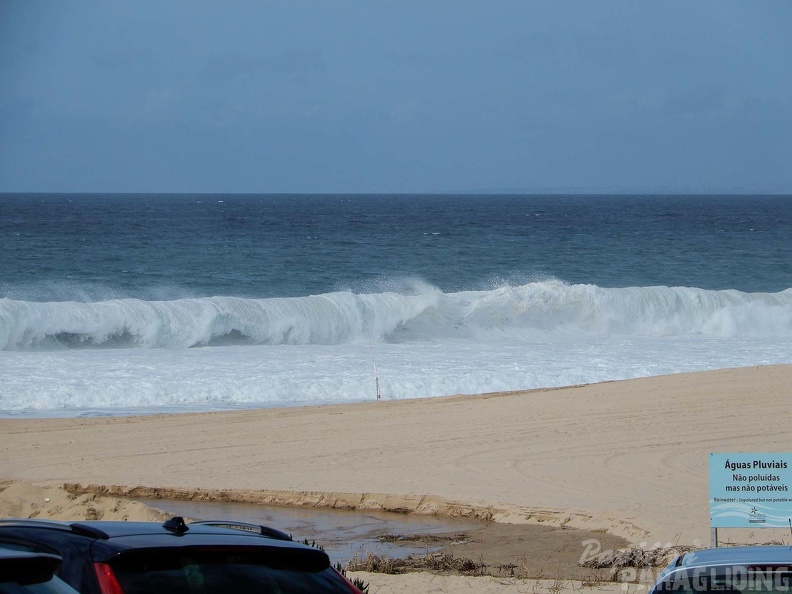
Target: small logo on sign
(756, 517)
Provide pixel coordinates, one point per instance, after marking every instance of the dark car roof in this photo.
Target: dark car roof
(110, 530)
(110, 537)
(756, 555)
(126, 546)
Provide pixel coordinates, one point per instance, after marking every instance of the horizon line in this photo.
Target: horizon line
(444, 193)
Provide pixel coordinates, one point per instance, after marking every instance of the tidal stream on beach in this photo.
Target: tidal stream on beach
(530, 550)
(341, 533)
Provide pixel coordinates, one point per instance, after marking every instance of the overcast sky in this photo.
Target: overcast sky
(395, 96)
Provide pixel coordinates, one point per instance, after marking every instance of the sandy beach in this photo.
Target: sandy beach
(627, 459)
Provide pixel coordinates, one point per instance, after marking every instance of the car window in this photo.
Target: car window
(26, 572)
(53, 586)
(218, 572)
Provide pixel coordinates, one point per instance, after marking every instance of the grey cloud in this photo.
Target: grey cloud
(296, 62)
(118, 58)
(392, 95)
(695, 101)
(415, 59)
(225, 67)
(534, 44)
(228, 66)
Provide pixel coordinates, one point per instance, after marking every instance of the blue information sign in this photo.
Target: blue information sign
(750, 490)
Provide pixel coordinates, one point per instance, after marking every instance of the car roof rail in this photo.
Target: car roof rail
(89, 530)
(263, 530)
(16, 521)
(35, 522)
(76, 527)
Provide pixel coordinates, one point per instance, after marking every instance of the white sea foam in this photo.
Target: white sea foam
(273, 352)
(345, 317)
(322, 319)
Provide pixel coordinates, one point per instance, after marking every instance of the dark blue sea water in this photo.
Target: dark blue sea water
(268, 246)
(155, 302)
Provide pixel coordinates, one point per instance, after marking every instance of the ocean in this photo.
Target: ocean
(140, 304)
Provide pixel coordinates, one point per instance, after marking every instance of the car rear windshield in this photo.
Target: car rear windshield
(210, 571)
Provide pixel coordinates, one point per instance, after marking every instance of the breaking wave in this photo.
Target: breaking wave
(422, 314)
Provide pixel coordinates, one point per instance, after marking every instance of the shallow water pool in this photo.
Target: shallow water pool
(342, 533)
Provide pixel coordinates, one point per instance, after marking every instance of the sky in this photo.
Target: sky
(403, 96)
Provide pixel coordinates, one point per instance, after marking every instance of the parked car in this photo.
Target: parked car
(23, 572)
(728, 570)
(178, 558)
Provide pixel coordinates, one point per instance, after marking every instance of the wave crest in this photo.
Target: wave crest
(426, 314)
(322, 319)
(554, 306)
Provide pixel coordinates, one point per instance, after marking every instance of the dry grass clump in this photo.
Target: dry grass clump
(431, 561)
(637, 557)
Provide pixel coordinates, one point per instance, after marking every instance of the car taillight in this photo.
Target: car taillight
(108, 582)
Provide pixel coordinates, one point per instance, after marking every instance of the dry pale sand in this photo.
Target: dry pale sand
(432, 584)
(628, 457)
(23, 500)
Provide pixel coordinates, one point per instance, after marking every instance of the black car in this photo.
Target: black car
(23, 572)
(178, 558)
